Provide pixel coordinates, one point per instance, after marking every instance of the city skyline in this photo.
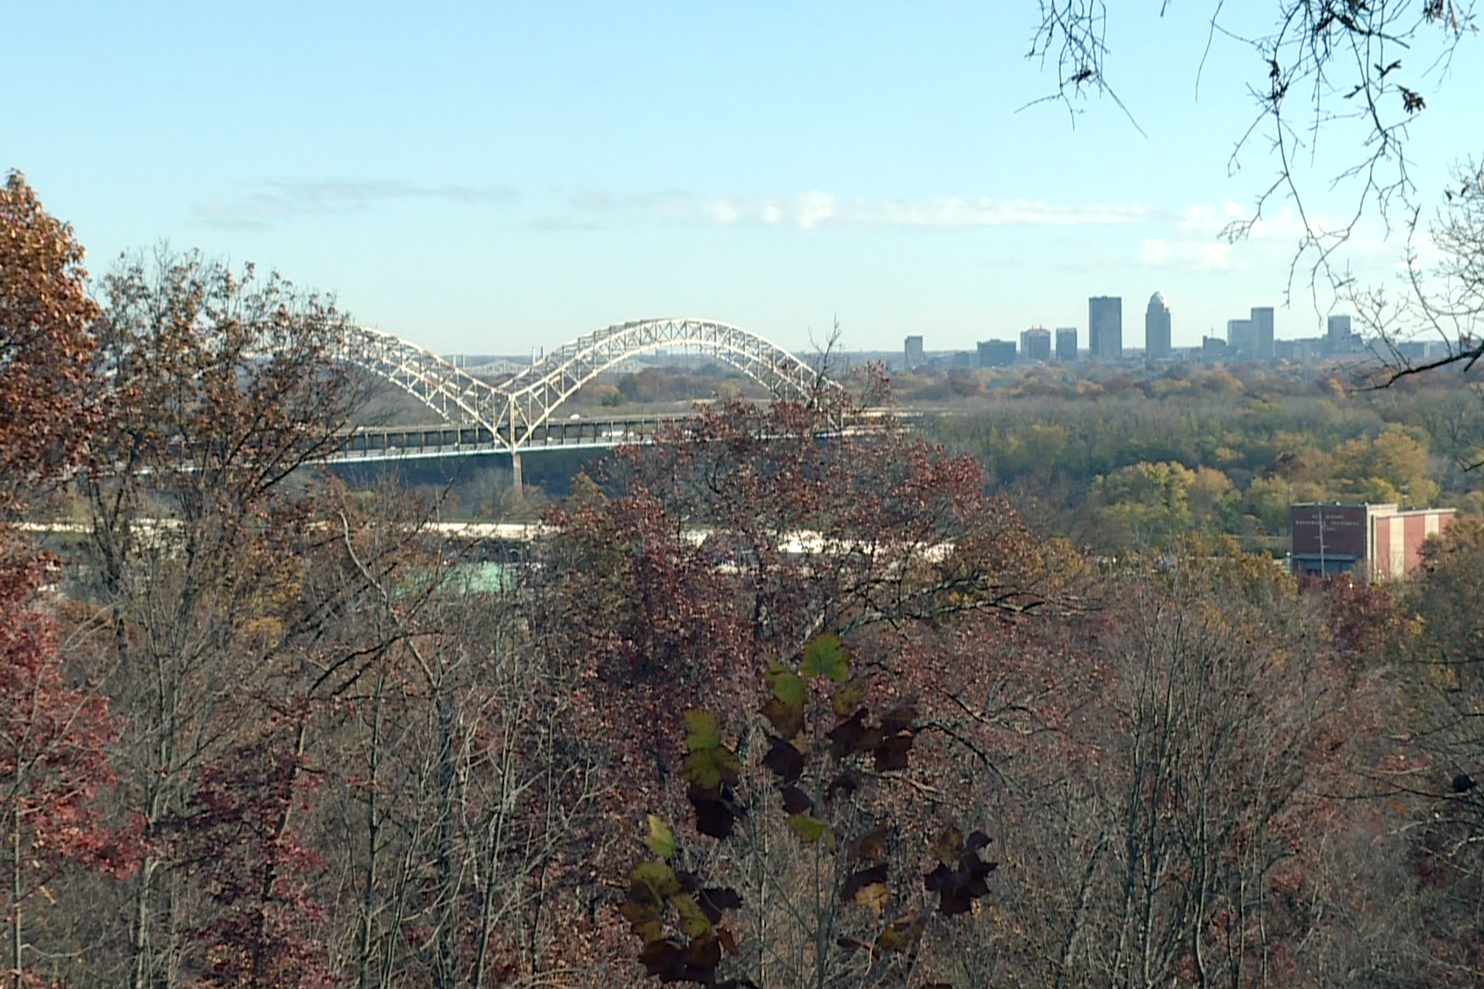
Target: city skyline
(503, 179)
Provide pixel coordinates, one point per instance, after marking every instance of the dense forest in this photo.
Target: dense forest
(773, 704)
(1120, 459)
(1119, 463)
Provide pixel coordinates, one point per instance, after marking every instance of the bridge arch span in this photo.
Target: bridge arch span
(449, 392)
(512, 409)
(535, 394)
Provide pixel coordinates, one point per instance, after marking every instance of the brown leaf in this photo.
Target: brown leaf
(866, 887)
(784, 760)
(870, 847)
(795, 801)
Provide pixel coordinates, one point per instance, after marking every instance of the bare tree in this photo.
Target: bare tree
(219, 387)
(1333, 72)
(1441, 300)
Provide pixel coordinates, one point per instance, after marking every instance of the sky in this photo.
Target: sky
(496, 177)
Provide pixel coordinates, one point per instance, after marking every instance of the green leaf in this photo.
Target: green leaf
(658, 876)
(825, 656)
(692, 921)
(808, 827)
(710, 767)
(661, 839)
(785, 709)
(703, 733)
(847, 697)
(787, 686)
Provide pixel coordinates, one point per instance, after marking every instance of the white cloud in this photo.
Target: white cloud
(1154, 252)
(285, 200)
(818, 209)
(1204, 255)
(814, 208)
(723, 212)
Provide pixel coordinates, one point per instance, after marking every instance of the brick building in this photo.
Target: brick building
(1375, 542)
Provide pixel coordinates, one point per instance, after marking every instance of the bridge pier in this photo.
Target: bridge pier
(515, 473)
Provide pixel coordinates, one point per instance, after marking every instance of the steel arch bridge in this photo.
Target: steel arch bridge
(514, 409)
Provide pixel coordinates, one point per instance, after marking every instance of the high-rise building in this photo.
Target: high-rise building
(1035, 344)
(1157, 327)
(1337, 337)
(1105, 327)
(913, 352)
(1241, 336)
(1262, 331)
(996, 353)
(1066, 343)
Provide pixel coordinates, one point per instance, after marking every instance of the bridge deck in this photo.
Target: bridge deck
(375, 443)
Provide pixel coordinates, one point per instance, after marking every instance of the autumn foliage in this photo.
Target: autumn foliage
(790, 697)
(46, 318)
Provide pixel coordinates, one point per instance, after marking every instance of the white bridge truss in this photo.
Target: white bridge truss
(514, 409)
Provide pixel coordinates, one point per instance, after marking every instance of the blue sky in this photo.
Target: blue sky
(494, 177)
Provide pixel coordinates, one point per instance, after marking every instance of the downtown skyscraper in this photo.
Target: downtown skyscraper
(1105, 327)
(1157, 327)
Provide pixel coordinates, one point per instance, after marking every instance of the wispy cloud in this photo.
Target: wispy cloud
(286, 200)
(815, 209)
(1203, 255)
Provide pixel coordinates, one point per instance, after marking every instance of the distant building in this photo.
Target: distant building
(1213, 348)
(1421, 351)
(1105, 327)
(1035, 344)
(1262, 331)
(1157, 327)
(1241, 336)
(1302, 351)
(996, 353)
(1337, 334)
(1374, 542)
(913, 352)
(1066, 343)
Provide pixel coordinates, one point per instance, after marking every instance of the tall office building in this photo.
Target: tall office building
(1262, 331)
(1157, 327)
(1105, 327)
(1337, 339)
(1066, 343)
(1035, 344)
(913, 352)
(996, 353)
(1241, 336)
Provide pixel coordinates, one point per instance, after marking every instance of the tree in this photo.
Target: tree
(1442, 303)
(861, 918)
(54, 748)
(1393, 467)
(1183, 830)
(1445, 691)
(45, 344)
(54, 734)
(210, 567)
(463, 823)
(709, 558)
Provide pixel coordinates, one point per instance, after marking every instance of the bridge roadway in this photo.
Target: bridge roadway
(369, 444)
(372, 444)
